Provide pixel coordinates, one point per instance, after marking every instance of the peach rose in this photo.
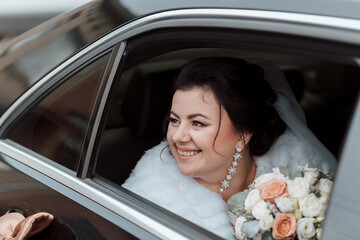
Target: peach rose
(273, 190)
(284, 226)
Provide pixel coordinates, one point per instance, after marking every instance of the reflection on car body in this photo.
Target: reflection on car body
(78, 96)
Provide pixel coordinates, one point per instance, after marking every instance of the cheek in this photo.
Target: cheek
(206, 142)
(226, 142)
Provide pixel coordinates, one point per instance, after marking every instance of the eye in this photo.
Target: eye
(174, 122)
(198, 124)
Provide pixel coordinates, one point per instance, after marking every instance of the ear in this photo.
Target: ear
(243, 140)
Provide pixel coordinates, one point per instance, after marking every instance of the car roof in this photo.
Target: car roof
(20, 57)
(334, 8)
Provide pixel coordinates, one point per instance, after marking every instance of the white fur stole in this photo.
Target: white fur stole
(157, 178)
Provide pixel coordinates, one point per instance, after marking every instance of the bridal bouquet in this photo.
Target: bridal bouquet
(288, 203)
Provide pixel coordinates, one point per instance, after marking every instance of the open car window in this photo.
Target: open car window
(325, 87)
(325, 82)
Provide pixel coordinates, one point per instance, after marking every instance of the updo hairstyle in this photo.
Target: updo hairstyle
(240, 88)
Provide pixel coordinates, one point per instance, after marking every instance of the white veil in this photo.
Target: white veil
(292, 114)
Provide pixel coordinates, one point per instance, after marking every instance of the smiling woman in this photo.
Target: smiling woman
(223, 130)
(201, 142)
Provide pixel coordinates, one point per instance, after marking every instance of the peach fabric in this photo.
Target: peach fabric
(14, 226)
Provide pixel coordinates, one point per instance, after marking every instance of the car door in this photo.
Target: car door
(80, 156)
(52, 130)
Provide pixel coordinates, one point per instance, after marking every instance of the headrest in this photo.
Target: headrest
(338, 81)
(296, 82)
(147, 101)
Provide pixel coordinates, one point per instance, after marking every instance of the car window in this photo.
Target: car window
(56, 127)
(325, 87)
(141, 101)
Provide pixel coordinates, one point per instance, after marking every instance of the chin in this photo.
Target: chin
(186, 171)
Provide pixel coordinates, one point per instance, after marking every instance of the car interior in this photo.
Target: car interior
(325, 89)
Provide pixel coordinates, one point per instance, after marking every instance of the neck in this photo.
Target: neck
(244, 176)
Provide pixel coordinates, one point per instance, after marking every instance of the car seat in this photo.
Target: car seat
(144, 106)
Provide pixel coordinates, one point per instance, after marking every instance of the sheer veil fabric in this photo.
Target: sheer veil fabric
(292, 114)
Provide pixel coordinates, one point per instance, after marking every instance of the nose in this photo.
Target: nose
(181, 134)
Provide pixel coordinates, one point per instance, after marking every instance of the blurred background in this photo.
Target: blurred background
(17, 16)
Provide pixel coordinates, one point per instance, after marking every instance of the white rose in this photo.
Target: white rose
(298, 188)
(284, 204)
(325, 186)
(260, 210)
(322, 210)
(263, 179)
(305, 229)
(311, 206)
(324, 199)
(252, 198)
(239, 221)
(318, 233)
(313, 172)
(266, 222)
(311, 177)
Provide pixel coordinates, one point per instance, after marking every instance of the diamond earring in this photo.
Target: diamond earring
(232, 170)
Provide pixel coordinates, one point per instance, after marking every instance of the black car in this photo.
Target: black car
(83, 95)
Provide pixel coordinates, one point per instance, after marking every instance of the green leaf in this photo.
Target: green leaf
(267, 236)
(294, 170)
(284, 171)
(250, 228)
(236, 203)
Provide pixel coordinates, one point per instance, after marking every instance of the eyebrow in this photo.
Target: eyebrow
(191, 116)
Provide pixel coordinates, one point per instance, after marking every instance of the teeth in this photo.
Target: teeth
(189, 153)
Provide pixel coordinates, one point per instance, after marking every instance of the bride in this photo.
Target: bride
(230, 121)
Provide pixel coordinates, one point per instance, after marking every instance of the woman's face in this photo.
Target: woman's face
(194, 123)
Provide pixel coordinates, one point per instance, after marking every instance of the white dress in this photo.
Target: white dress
(157, 178)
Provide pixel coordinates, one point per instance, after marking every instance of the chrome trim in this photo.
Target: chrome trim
(83, 189)
(100, 111)
(280, 22)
